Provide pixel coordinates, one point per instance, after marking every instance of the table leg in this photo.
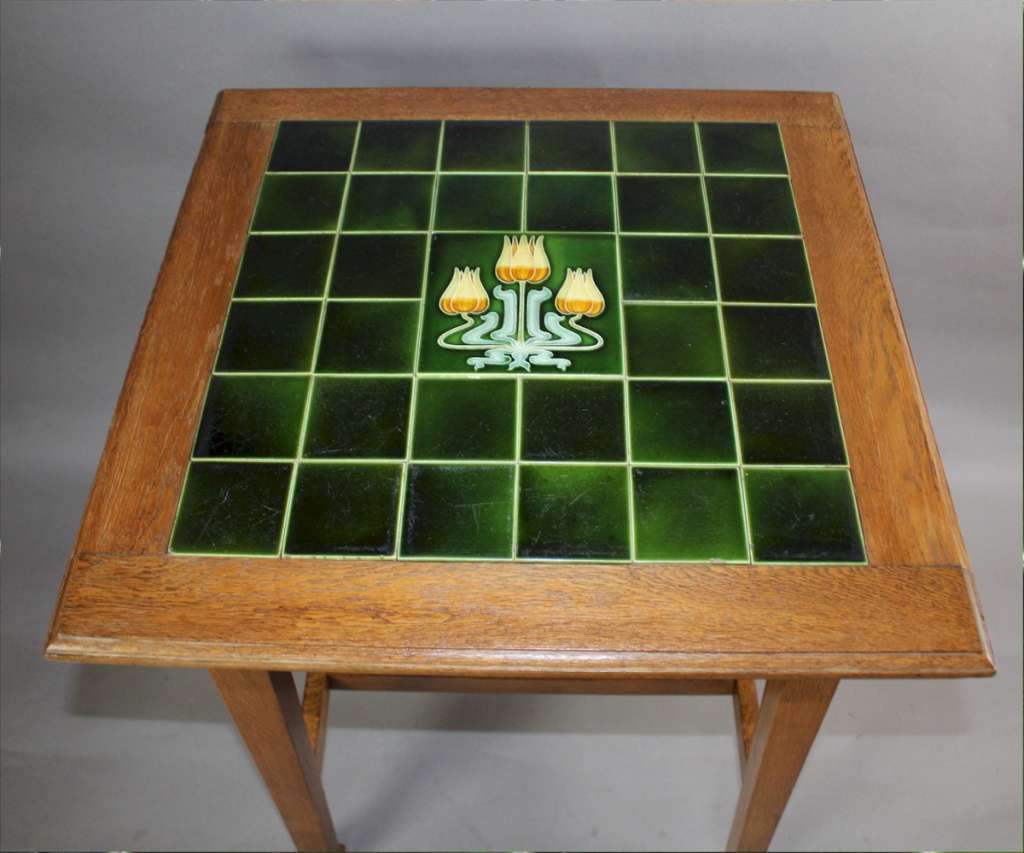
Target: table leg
(267, 712)
(787, 722)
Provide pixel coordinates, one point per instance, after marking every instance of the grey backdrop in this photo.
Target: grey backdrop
(103, 110)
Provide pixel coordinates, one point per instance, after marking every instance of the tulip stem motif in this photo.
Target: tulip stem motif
(523, 338)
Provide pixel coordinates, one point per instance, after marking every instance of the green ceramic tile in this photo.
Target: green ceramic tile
(570, 146)
(742, 148)
(762, 269)
(269, 336)
(688, 514)
(313, 146)
(752, 206)
(232, 508)
(673, 268)
(783, 424)
(379, 265)
(580, 421)
(569, 203)
(484, 146)
(299, 203)
(358, 418)
(479, 202)
(673, 340)
(368, 337)
(774, 343)
(573, 512)
(656, 146)
(344, 510)
(458, 511)
(252, 416)
(398, 146)
(286, 266)
(681, 422)
(802, 516)
(661, 204)
(388, 203)
(465, 419)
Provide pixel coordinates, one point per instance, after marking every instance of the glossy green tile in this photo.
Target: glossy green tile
(667, 268)
(388, 203)
(774, 343)
(381, 265)
(580, 421)
(688, 514)
(344, 510)
(313, 146)
(269, 336)
(661, 204)
(465, 419)
(802, 516)
(762, 269)
(299, 203)
(484, 146)
(252, 416)
(358, 418)
(368, 337)
(458, 511)
(479, 202)
(232, 508)
(681, 422)
(287, 265)
(742, 148)
(570, 146)
(398, 146)
(656, 146)
(573, 512)
(752, 206)
(569, 203)
(673, 340)
(783, 424)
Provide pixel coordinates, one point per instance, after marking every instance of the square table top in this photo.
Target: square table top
(511, 382)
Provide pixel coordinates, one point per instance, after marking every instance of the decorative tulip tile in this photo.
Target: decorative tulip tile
(480, 340)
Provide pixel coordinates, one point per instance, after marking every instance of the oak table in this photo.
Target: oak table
(577, 391)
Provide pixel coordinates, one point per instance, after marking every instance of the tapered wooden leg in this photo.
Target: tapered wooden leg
(744, 706)
(787, 722)
(266, 710)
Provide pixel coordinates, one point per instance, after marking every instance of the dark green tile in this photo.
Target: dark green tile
(673, 340)
(398, 146)
(655, 146)
(661, 204)
(579, 421)
(802, 516)
(570, 146)
(368, 337)
(252, 416)
(232, 508)
(774, 343)
(569, 203)
(479, 202)
(688, 514)
(299, 203)
(289, 265)
(484, 146)
(313, 146)
(783, 424)
(388, 203)
(752, 206)
(667, 268)
(681, 422)
(458, 511)
(762, 269)
(344, 510)
(383, 265)
(269, 336)
(465, 419)
(742, 148)
(358, 418)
